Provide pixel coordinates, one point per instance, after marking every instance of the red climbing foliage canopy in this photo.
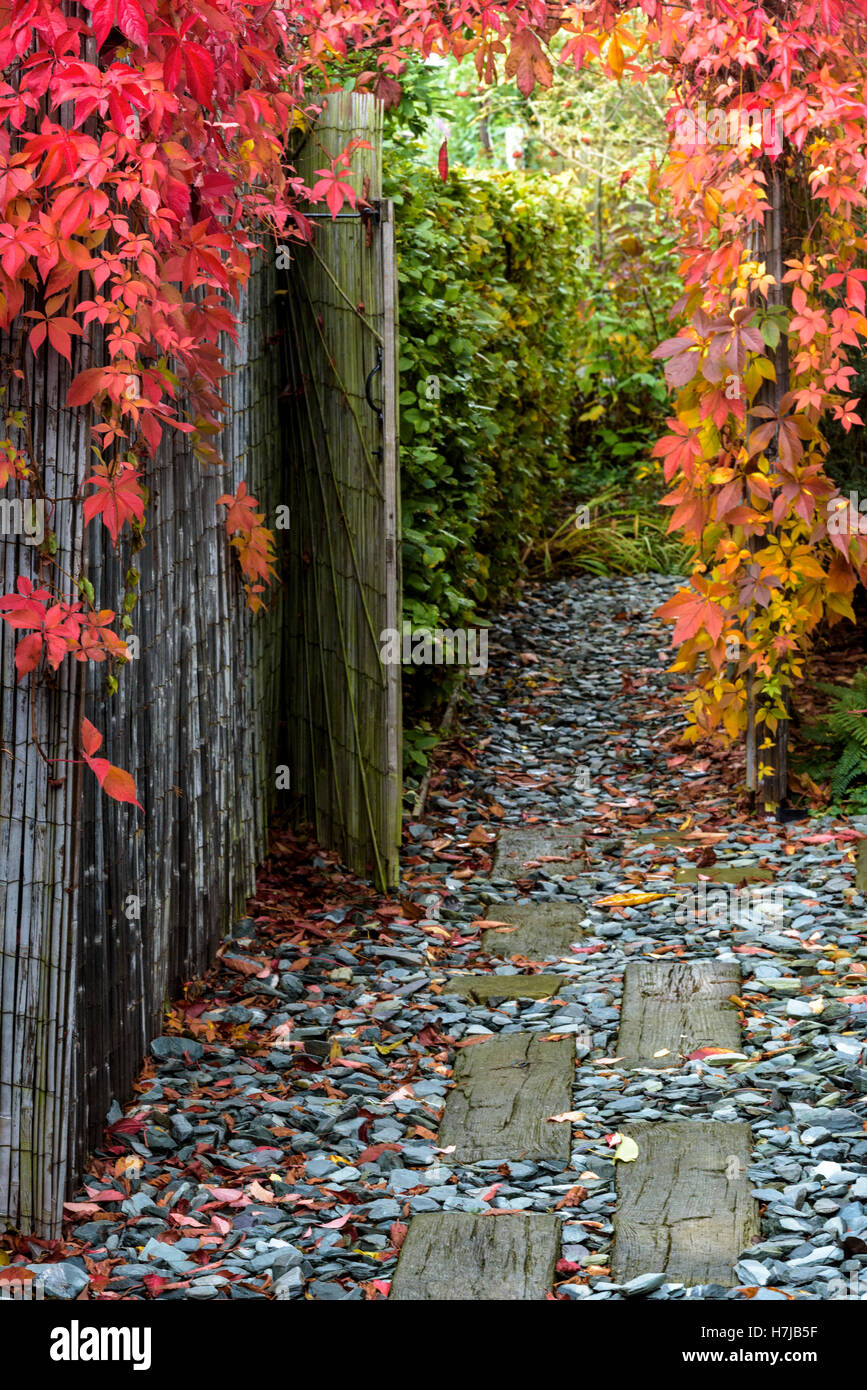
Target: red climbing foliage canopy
(143, 156)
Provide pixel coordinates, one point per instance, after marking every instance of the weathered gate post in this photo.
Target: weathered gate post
(343, 702)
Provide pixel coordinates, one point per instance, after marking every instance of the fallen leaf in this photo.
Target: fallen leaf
(629, 899)
(719, 1054)
(376, 1151)
(261, 1193)
(479, 836)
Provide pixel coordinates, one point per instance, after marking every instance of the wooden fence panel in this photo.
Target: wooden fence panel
(342, 701)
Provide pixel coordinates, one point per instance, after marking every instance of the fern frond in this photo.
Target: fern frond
(852, 765)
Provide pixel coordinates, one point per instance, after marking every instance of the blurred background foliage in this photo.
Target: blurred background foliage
(535, 281)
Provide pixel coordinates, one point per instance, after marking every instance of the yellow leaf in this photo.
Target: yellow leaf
(626, 1151)
(615, 56)
(629, 899)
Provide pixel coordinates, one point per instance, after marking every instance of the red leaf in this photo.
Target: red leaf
(85, 386)
(102, 20)
(91, 739)
(443, 161)
(200, 73)
(172, 65)
(116, 783)
(119, 497)
(336, 1224)
(120, 786)
(376, 1151)
(131, 21)
(27, 654)
(130, 1124)
(527, 62)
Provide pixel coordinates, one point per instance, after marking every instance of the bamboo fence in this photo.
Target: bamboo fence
(106, 909)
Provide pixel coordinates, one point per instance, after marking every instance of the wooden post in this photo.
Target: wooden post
(769, 789)
(342, 700)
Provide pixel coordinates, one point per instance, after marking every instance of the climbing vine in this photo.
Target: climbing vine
(143, 159)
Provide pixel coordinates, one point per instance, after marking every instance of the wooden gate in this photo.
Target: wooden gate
(343, 702)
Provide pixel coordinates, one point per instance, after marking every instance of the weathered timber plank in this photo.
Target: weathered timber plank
(678, 1007)
(505, 986)
(683, 1206)
(545, 931)
(519, 849)
(504, 1092)
(724, 873)
(449, 1256)
(861, 866)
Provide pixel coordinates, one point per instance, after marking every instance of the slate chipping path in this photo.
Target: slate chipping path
(274, 1175)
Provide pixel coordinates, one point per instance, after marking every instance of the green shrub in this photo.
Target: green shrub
(489, 347)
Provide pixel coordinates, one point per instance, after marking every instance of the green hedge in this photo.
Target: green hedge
(489, 286)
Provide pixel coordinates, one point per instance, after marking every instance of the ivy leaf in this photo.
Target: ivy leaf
(242, 515)
(102, 20)
(119, 497)
(131, 21)
(771, 333)
(757, 587)
(690, 612)
(116, 783)
(527, 62)
(27, 654)
(85, 386)
(200, 73)
(682, 364)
